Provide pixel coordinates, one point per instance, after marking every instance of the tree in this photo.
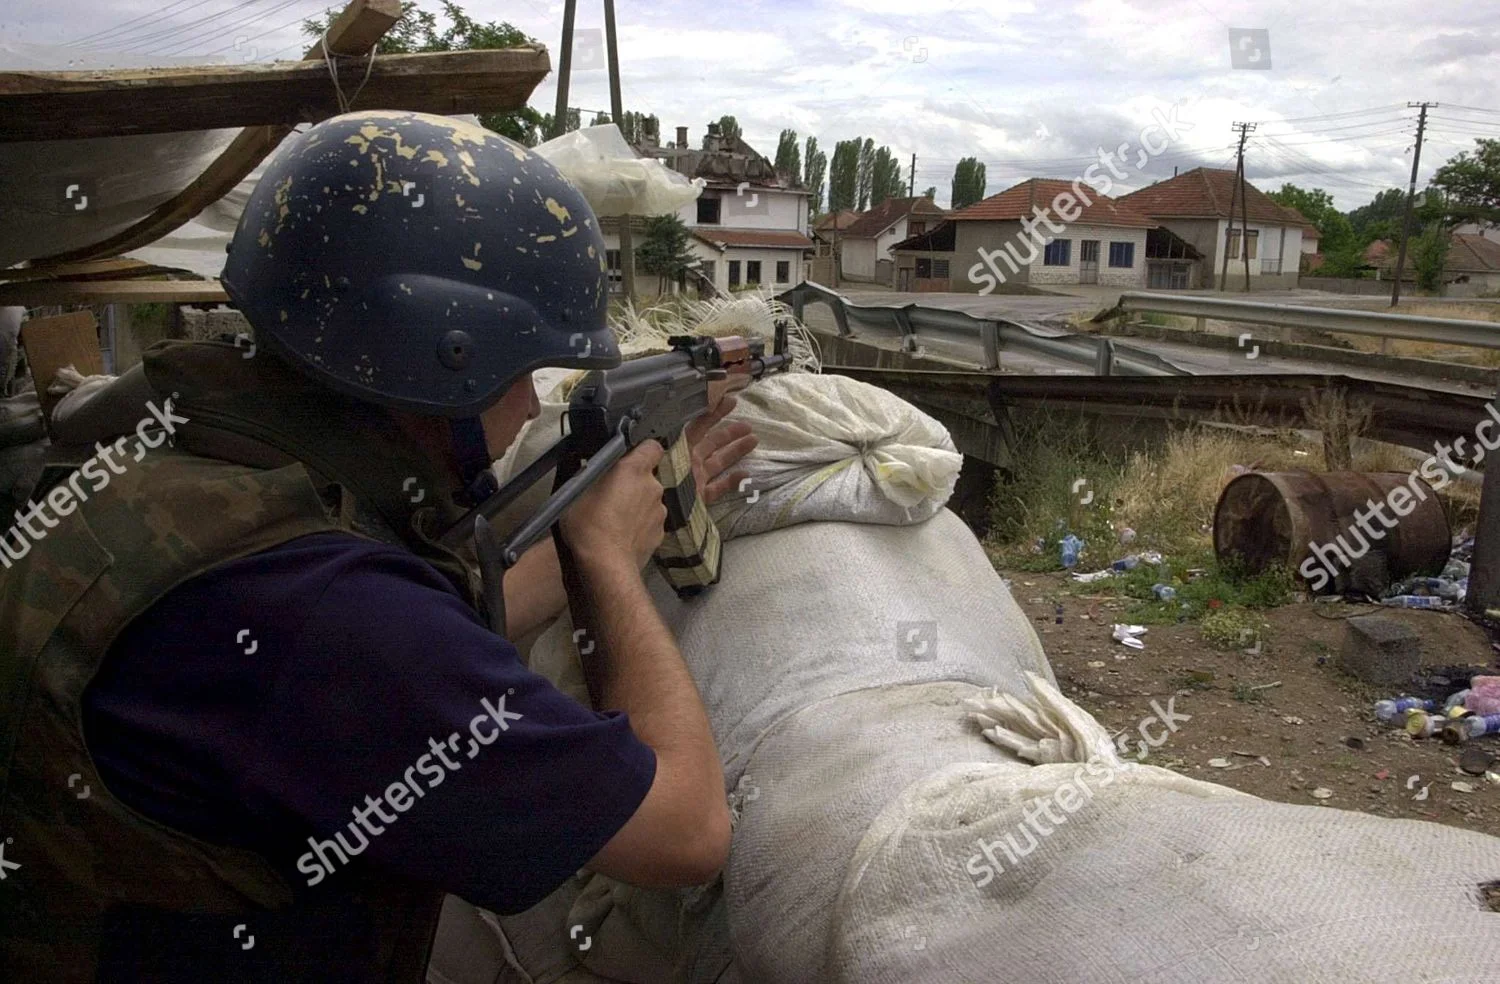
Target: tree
(1342, 250)
(885, 181)
(865, 173)
(1381, 219)
(729, 129)
(930, 192)
(968, 183)
(1471, 183)
(815, 165)
(665, 250)
(789, 155)
(637, 128)
(1429, 255)
(417, 31)
(573, 122)
(843, 176)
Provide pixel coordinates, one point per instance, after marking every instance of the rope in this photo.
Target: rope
(333, 72)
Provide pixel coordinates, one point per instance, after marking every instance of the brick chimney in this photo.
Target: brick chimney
(682, 143)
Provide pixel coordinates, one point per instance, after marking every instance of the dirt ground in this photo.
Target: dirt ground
(1315, 730)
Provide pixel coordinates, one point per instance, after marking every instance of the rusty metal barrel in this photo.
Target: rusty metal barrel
(1307, 522)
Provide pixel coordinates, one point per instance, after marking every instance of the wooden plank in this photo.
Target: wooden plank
(92, 270)
(34, 293)
(62, 340)
(128, 102)
(358, 28)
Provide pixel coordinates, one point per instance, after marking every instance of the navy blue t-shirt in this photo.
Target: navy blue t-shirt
(260, 704)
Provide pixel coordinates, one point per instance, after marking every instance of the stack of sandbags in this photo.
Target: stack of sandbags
(1140, 875)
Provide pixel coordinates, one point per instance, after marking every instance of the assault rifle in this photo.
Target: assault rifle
(610, 412)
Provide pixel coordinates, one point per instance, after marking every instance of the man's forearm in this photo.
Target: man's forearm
(533, 590)
(643, 673)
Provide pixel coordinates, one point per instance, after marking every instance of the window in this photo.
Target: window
(708, 271)
(916, 228)
(940, 269)
(616, 276)
(1059, 252)
(752, 271)
(924, 268)
(708, 211)
(783, 271)
(734, 273)
(1122, 254)
(1252, 244)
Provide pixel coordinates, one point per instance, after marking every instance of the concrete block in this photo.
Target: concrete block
(1380, 650)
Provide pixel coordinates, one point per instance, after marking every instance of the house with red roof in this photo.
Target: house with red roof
(865, 245)
(749, 227)
(1195, 207)
(1041, 231)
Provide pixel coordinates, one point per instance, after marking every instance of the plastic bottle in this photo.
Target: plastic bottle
(1456, 700)
(1059, 614)
(1414, 601)
(1481, 724)
(1392, 710)
(1071, 546)
(1164, 592)
(1126, 563)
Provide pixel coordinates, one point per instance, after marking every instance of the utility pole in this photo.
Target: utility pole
(1239, 179)
(911, 183)
(1245, 211)
(1411, 193)
(617, 111)
(564, 70)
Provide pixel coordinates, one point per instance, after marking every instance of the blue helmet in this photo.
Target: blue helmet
(420, 262)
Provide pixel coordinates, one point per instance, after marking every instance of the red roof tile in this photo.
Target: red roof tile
(1205, 193)
(770, 238)
(1017, 203)
(1472, 254)
(844, 218)
(880, 218)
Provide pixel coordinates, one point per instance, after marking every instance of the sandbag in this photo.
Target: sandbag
(832, 448)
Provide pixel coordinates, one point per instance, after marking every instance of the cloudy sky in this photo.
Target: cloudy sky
(1029, 88)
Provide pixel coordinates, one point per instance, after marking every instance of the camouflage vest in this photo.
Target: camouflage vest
(265, 458)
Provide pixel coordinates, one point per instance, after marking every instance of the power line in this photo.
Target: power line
(276, 30)
(171, 33)
(181, 46)
(155, 15)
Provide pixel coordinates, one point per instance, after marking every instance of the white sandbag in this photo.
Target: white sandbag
(832, 448)
(810, 612)
(1158, 880)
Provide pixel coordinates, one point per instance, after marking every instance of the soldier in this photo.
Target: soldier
(255, 724)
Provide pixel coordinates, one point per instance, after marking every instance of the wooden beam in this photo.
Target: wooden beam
(63, 340)
(358, 28)
(92, 270)
(34, 293)
(76, 105)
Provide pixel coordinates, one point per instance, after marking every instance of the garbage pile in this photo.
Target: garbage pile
(1470, 713)
(1444, 592)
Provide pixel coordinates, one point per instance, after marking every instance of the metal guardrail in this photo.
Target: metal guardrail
(986, 337)
(1449, 331)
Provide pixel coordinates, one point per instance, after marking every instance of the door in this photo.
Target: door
(905, 279)
(1088, 261)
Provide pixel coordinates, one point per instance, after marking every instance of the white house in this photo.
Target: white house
(1041, 231)
(865, 244)
(750, 225)
(1195, 207)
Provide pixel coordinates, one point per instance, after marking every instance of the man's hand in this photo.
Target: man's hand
(717, 448)
(621, 517)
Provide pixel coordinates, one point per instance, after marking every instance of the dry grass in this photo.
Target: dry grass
(1433, 350)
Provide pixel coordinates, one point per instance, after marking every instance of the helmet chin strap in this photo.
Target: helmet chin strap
(473, 456)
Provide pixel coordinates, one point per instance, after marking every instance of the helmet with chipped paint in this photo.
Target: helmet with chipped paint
(420, 262)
